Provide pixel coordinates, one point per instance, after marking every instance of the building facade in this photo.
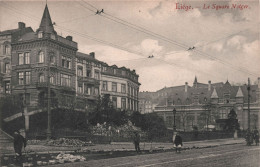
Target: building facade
(215, 99)
(122, 85)
(36, 64)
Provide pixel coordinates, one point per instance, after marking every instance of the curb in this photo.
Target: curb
(129, 150)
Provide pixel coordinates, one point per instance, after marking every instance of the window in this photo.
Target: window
(27, 77)
(114, 101)
(52, 80)
(40, 34)
(88, 73)
(114, 71)
(20, 75)
(104, 86)
(96, 91)
(65, 80)
(96, 75)
(41, 57)
(7, 87)
(63, 60)
(52, 58)
(123, 88)
(41, 78)
(21, 58)
(123, 73)
(69, 63)
(7, 68)
(7, 49)
(123, 103)
(27, 58)
(80, 71)
(114, 87)
(80, 88)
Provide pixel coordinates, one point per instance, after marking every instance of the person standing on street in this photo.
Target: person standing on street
(19, 143)
(178, 143)
(256, 137)
(137, 142)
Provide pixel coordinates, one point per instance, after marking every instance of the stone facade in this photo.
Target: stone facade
(31, 62)
(217, 98)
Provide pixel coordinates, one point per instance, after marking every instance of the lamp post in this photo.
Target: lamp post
(174, 113)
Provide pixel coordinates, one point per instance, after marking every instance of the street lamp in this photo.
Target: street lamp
(174, 113)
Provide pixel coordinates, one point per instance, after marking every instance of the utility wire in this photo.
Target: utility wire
(101, 41)
(238, 68)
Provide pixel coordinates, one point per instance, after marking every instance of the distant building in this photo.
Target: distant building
(191, 101)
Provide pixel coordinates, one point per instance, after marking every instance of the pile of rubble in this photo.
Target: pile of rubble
(69, 158)
(68, 142)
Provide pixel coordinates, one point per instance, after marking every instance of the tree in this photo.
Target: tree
(105, 112)
(232, 122)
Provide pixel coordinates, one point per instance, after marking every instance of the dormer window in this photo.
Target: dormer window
(53, 36)
(40, 34)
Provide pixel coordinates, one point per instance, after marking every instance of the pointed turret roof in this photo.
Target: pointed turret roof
(46, 23)
(239, 93)
(214, 94)
(195, 80)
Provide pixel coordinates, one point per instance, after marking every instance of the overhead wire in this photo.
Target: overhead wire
(100, 41)
(200, 53)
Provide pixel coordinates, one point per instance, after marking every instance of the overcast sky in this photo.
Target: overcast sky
(226, 41)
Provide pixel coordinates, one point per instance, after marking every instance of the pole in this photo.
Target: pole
(49, 96)
(248, 89)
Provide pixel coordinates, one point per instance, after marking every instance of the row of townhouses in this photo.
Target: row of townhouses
(28, 60)
(191, 101)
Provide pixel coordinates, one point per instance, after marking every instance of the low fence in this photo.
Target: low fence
(127, 136)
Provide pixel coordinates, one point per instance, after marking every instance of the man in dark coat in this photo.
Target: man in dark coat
(19, 143)
(136, 142)
(178, 143)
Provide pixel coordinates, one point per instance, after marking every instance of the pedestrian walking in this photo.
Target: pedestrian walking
(137, 142)
(249, 138)
(19, 143)
(177, 143)
(256, 137)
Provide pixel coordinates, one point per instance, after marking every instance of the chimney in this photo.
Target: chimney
(69, 38)
(21, 25)
(209, 86)
(186, 86)
(92, 54)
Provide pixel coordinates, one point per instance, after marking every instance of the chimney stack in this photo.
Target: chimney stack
(69, 38)
(92, 54)
(209, 86)
(21, 25)
(186, 86)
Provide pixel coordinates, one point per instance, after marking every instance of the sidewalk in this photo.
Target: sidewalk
(122, 146)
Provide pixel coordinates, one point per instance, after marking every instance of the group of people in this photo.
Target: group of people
(251, 137)
(177, 142)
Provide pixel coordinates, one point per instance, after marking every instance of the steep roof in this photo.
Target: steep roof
(46, 23)
(239, 93)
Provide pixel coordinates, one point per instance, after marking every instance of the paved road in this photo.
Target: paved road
(222, 156)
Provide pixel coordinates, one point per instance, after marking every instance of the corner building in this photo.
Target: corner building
(31, 62)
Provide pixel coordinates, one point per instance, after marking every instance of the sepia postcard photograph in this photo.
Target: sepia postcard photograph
(129, 83)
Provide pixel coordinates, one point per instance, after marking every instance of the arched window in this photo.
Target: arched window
(7, 49)
(41, 78)
(41, 57)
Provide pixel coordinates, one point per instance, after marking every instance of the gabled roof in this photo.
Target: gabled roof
(46, 23)
(214, 94)
(239, 93)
